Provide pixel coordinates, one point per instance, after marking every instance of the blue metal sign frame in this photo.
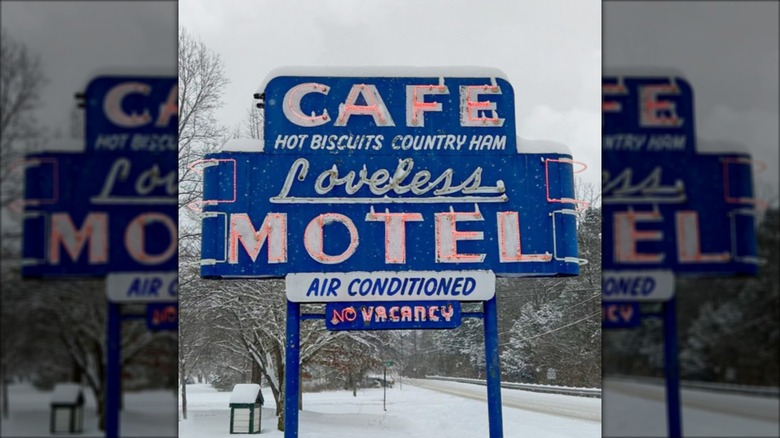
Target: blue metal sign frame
(489, 315)
(392, 315)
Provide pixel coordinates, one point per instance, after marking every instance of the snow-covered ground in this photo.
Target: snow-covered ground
(146, 413)
(634, 408)
(425, 408)
(413, 410)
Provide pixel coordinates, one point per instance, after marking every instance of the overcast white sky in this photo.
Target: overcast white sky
(550, 51)
(76, 39)
(729, 51)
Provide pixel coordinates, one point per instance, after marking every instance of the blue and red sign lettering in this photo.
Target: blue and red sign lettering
(162, 316)
(128, 114)
(388, 285)
(409, 315)
(425, 114)
(617, 314)
(647, 114)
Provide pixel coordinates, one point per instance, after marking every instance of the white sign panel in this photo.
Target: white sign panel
(391, 286)
(650, 285)
(142, 287)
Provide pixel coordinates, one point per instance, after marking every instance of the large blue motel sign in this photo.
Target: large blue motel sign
(391, 195)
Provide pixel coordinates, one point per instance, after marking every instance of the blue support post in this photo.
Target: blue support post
(291, 369)
(671, 360)
(493, 375)
(113, 388)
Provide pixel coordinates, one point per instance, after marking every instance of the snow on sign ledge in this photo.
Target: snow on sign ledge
(244, 393)
(62, 145)
(384, 71)
(528, 146)
(243, 145)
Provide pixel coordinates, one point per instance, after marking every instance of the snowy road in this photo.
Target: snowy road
(633, 408)
(585, 408)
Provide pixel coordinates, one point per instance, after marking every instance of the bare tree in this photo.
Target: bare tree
(201, 84)
(20, 84)
(249, 318)
(194, 346)
(253, 124)
(21, 78)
